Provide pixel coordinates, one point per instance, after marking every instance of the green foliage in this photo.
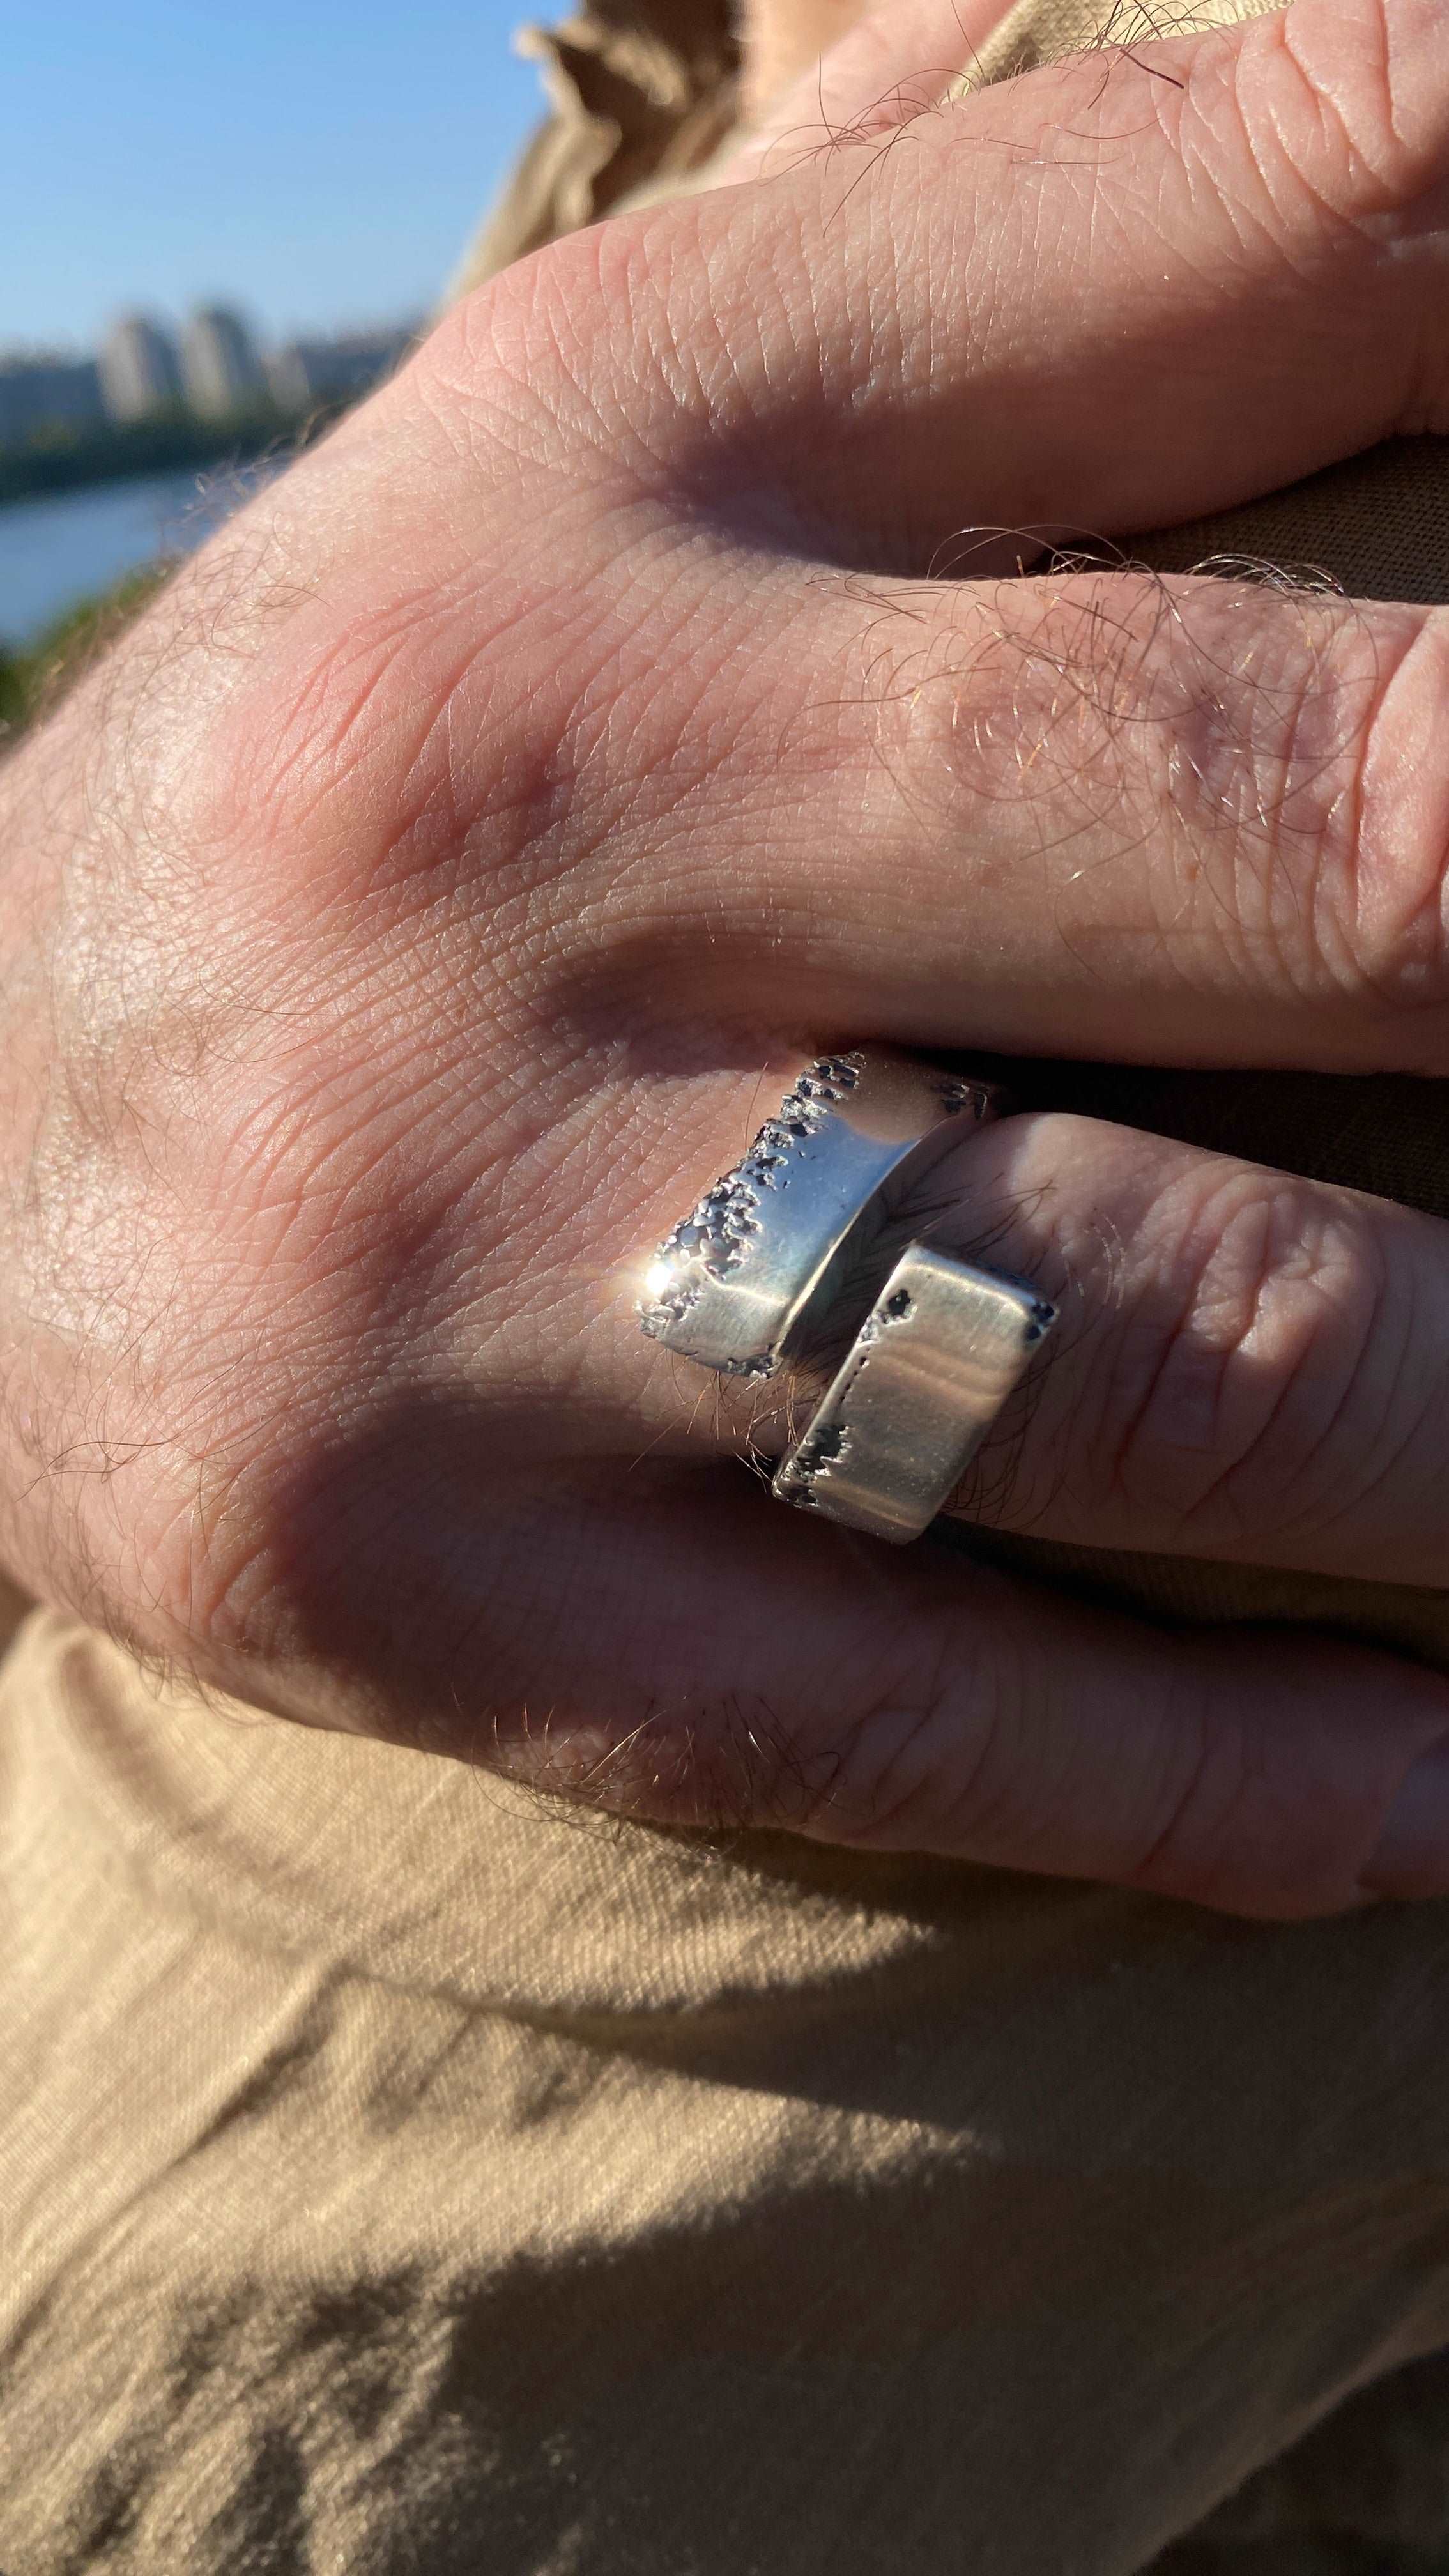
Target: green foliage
(33, 679)
(163, 444)
(14, 693)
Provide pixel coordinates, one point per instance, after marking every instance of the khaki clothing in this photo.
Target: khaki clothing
(398, 2173)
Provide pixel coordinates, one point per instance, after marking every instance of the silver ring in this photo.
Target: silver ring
(747, 1281)
(921, 1386)
(745, 1276)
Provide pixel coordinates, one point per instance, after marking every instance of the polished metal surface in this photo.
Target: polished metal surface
(744, 1277)
(922, 1384)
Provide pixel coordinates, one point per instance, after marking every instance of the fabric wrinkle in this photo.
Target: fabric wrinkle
(396, 2175)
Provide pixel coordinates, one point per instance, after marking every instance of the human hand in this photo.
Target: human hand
(422, 904)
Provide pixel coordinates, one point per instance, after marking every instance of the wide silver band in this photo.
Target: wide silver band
(742, 1278)
(751, 1280)
(922, 1384)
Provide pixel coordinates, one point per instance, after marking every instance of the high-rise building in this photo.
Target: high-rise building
(139, 372)
(42, 392)
(306, 373)
(219, 364)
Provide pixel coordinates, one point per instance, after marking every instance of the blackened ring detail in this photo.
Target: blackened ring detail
(745, 1281)
(742, 1278)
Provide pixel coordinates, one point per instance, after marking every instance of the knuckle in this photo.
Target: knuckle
(1336, 810)
(533, 369)
(1242, 1357)
(1319, 105)
(1194, 1803)
(347, 708)
(1291, 752)
(1272, 1791)
(1395, 875)
(1260, 764)
(1016, 708)
(930, 1754)
(494, 377)
(1214, 1834)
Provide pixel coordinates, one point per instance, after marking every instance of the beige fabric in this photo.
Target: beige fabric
(641, 90)
(398, 2175)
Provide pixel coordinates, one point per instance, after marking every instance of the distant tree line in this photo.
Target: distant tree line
(165, 442)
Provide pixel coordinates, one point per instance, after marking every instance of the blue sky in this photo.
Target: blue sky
(316, 162)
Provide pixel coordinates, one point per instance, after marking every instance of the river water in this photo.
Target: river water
(57, 551)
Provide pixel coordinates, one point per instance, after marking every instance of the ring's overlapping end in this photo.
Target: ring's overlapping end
(918, 1391)
(775, 1247)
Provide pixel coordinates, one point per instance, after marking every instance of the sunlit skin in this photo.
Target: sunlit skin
(433, 891)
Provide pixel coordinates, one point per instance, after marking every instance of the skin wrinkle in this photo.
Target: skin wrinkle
(1207, 743)
(999, 752)
(1192, 1305)
(894, 1752)
(1239, 1297)
(1204, 1766)
(533, 313)
(1330, 1427)
(1379, 1457)
(1387, 1463)
(1284, 815)
(654, 796)
(1416, 937)
(1321, 766)
(1276, 797)
(1147, 1407)
(1400, 176)
(1333, 1462)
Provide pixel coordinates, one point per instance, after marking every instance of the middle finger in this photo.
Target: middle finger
(1177, 821)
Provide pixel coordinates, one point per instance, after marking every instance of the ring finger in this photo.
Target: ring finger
(1246, 1365)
